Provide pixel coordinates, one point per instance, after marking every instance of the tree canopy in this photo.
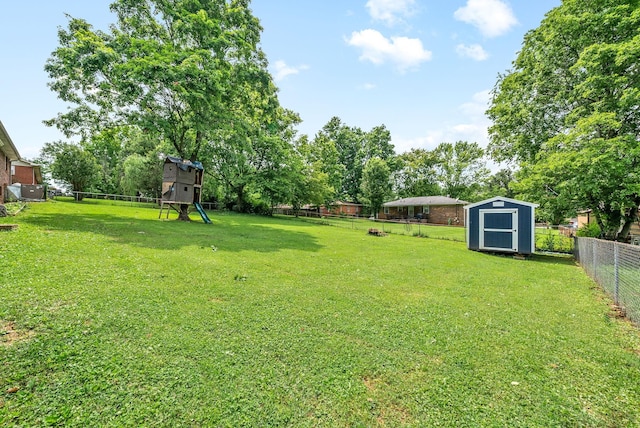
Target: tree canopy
(188, 78)
(71, 164)
(567, 112)
(170, 68)
(186, 72)
(349, 149)
(376, 183)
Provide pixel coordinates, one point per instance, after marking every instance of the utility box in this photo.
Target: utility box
(501, 225)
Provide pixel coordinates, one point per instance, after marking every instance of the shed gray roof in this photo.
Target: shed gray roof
(425, 200)
(501, 198)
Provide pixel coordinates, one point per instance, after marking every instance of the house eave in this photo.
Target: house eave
(424, 201)
(7, 146)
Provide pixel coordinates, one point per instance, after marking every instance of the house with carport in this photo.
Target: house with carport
(426, 209)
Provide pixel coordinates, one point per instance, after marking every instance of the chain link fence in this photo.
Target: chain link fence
(616, 267)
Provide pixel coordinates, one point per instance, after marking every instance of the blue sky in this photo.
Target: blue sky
(422, 68)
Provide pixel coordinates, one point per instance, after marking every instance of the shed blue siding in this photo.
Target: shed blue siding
(525, 227)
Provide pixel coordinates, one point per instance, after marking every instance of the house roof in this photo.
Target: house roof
(336, 203)
(6, 145)
(184, 164)
(501, 198)
(425, 200)
(37, 169)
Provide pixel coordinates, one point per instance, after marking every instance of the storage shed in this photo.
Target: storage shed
(501, 225)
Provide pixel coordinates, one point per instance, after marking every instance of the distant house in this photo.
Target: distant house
(585, 217)
(306, 210)
(8, 154)
(342, 208)
(429, 209)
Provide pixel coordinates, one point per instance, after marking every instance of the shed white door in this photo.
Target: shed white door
(499, 230)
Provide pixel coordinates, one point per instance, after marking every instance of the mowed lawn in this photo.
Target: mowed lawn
(111, 317)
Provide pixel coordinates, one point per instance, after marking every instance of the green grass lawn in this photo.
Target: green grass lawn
(111, 317)
(452, 233)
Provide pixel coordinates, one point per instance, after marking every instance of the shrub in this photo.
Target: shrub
(591, 230)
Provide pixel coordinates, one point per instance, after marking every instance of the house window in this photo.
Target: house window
(386, 210)
(13, 170)
(425, 209)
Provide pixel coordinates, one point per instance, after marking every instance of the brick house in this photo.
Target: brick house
(429, 209)
(342, 208)
(8, 154)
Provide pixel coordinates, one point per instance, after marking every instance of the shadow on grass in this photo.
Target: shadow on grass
(550, 258)
(556, 259)
(230, 235)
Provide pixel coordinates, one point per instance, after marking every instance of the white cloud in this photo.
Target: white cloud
(476, 124)
(478, 105)
(404, 52)
(492, 17)
(390, 11)
(282, 70)
(473, 127)
(368, 86)
(429, 142)
(475, 52)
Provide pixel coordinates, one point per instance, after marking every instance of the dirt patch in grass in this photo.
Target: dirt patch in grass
(393, 415)
(387, 413)
(617, 312)
(9, 335)
(371, 383)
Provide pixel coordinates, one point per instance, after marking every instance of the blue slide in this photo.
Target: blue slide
(203, 214)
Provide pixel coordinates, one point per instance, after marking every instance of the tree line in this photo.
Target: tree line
(188, 78)
(341, 163)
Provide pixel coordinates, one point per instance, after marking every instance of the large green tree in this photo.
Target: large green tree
(500, 183)
(354, 148)
(416, 174)
(567, 112)
(376, 184)
(142, 175)
(72, 164)
(321, 154)
(312, 185)
(253, 156)
(461, 169)
(175, 69)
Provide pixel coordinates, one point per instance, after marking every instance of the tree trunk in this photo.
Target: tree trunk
(183, 215)
(240, 200)
(629, 219)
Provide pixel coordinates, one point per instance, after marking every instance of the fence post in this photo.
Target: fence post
(595, 258)
(615, 270)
